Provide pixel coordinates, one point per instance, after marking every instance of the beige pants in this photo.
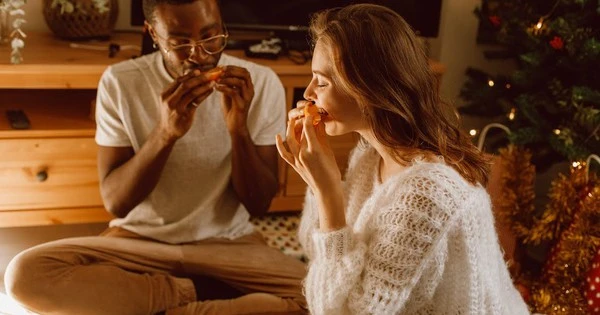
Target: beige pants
(120, 273)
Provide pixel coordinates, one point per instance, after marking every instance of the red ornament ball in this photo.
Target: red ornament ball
(557, 43)
(592, 286)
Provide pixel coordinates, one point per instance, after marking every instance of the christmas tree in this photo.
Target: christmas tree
(551, 103)
(551, 106)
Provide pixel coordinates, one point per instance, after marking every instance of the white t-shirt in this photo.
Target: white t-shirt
(193, 199)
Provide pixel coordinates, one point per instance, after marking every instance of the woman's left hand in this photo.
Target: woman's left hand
(309, 153)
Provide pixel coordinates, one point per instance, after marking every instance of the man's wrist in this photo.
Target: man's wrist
(240, 133)
(164, 138)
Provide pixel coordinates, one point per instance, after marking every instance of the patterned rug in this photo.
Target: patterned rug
(280, 231)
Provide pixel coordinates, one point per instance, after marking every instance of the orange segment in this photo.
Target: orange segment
(313, 111)
(214, 74)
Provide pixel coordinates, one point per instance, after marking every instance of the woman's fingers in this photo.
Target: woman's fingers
(284, 151)
(293, 141)
(302, 103)
(309, 133)
(295, 113)
(298, 111)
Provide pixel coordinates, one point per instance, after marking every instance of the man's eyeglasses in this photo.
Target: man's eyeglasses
(184, 48)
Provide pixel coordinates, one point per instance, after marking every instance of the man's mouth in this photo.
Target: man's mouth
(201, 68)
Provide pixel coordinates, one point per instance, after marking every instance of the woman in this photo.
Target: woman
(410, 230)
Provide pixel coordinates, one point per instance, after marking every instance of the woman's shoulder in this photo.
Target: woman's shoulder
(433, 181)
(436, 172)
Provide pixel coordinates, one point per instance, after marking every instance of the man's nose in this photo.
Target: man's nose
(197, 53)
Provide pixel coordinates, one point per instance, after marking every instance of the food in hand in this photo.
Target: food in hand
(214, 74)
(314, 111)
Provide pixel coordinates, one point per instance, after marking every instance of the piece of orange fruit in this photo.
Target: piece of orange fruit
(214, 74)
(312, 110)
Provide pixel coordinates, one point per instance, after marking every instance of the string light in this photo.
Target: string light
(576, 164)
(512, 114)
(491, 83)
(539, 24)
(473, 132)
(507, 85)
(557, 131)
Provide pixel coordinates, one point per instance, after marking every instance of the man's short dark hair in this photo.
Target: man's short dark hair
(150, 5)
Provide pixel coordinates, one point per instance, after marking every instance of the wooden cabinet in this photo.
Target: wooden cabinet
(40, 173)
(48, 173)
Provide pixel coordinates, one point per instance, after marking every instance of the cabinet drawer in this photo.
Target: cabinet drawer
(48, 173)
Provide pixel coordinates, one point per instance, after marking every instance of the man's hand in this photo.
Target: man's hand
(238, 91)
(179, 103)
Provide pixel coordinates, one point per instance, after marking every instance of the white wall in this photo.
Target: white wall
(457, 47)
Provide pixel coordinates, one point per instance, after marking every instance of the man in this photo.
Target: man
(184, 159)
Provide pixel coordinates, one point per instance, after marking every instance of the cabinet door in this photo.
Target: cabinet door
(48, 173)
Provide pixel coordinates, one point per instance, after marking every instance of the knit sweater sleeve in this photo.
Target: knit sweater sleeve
(405, 247)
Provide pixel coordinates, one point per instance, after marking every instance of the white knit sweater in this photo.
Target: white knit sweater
(423, 242)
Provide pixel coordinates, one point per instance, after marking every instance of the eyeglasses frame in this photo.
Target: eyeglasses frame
(195, 43)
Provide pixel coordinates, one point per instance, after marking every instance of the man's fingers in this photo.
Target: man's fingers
(175, 84)
(233, 93)
(197, 95)
(239, 85)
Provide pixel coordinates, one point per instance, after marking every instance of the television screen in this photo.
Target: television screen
(289, 19)
(286, 15)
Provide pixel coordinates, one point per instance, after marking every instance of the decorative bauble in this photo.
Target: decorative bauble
(592, 286)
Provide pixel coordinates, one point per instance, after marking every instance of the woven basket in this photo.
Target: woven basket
(84, 22)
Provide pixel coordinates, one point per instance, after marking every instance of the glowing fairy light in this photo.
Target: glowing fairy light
(473, 132)
(512, 114)
(557, 131)
(539, 24)
(491, 83)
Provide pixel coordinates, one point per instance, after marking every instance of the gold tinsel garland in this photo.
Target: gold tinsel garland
(570, 222)
(561, 288)
(516, 205)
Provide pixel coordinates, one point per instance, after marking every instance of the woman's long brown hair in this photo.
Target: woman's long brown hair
(379, 61)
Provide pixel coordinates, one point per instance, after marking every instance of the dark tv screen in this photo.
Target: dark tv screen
(293, 15)
(286, 15)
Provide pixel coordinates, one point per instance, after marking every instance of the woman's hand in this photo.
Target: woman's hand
(309, 153)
